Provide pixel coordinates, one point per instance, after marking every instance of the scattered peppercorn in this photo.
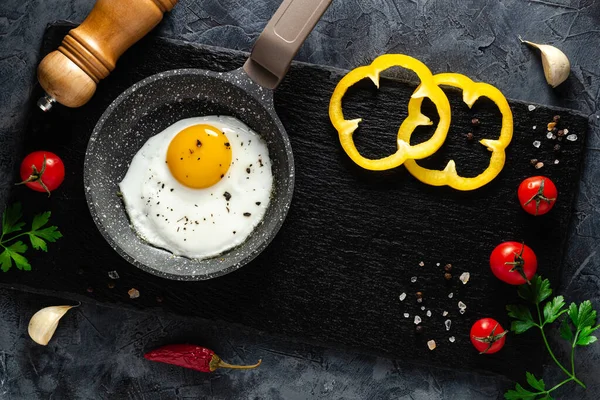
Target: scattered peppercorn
(556, 118)
(448, 267)
(475, 121)
(470, 136)
(248, 170)
(561, 133)
(198, 143)
(533, 161)
(247, 214)
(448, 276)
(539, 165)
(111, 285)
(419, 295)
(557, 147)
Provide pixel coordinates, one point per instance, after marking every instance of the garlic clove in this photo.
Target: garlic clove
(43, 324)
(555, 63)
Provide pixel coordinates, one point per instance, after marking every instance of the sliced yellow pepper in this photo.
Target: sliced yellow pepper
(448, 176)
(428, 88)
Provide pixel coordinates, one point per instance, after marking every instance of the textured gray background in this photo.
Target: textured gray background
(96, 353)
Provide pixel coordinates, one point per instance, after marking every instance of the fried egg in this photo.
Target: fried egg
(199, 187)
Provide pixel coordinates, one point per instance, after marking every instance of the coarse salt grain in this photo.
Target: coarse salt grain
(419, 300)
(445, 313)
(452, 339)
(431, 344)
(534, 127)
(531, 107)
(450, 295)
(556, 161)
(402, 296)
(539, 165)
(113, 274)
(413, 279)
(572, 137)
(406, 315)
(549, 135)
(464, 277)
(447, 323)
(429, 313)
(537, 144)
(422, 308)
(566, 131)
(462, 305)
(438, 264)
(421, 264)
(462, 311)
(417, 320)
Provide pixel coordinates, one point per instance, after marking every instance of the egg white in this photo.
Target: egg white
(199, 223)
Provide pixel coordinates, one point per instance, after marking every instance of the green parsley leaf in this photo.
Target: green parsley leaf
(538, 291)
(583, 316)
(5, 261)
(37, 243)
(552, 309)
(40, 220)
(523, 317)
(15, 250)
(565, 330)
(50, 234)
(10, 219)
(520, 393)
(585, 337)
(534, 383)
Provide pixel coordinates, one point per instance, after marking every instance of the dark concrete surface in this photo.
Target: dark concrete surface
(96, 352)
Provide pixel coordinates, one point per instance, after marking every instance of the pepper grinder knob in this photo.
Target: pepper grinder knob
(89, 52)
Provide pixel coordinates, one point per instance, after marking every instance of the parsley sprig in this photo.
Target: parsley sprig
(577, 328)
(38, 235)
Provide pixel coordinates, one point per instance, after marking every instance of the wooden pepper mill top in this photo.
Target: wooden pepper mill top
(89, 52)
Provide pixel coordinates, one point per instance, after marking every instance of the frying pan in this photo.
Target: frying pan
(158, 101)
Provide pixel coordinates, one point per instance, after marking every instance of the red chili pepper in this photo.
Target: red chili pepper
(193, 357)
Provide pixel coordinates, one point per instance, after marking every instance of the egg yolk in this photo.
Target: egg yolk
(199, 156)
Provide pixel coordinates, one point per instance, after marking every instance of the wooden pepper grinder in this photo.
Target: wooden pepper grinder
(89, 52)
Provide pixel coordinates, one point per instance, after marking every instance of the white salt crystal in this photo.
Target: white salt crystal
(566, 131)
(421, 264)
(402, 296)
(422, 308)
(462, 311)
(406, 315)
(447, 323)
(413, 279)
(431, 344)
(534, 127)
(450, 295)
(438, 264)
(452, 339)
(417, 320)
(113, 274)
(462, 305)
(549, 135)
(429, 313)
(556, 161)
(572, 137)
(537, 144)
(531, 107)
(445, 313)
(464, 277)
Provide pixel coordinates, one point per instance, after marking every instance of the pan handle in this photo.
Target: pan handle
(281, 39)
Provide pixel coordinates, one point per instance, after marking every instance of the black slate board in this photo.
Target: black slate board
(353, 238)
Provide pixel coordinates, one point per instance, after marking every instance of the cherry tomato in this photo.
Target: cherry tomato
(537, 195)
(488, 336)
(42, 171)
(513, 263)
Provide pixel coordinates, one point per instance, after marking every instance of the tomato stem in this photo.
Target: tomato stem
(490, 339)
(539, 197)
(36, 176)
(519, 264)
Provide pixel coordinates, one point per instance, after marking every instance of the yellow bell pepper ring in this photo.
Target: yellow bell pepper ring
(428, 88)
(448, 176)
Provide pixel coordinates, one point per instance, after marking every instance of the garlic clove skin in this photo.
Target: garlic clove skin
(555, 63)
(43, 324)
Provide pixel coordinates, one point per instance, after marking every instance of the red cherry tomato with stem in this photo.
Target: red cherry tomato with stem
(513, 263)
(537, 195)
(42, 171)
(488, 336)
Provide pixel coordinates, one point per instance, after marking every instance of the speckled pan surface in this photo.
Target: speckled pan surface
(147, 108)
